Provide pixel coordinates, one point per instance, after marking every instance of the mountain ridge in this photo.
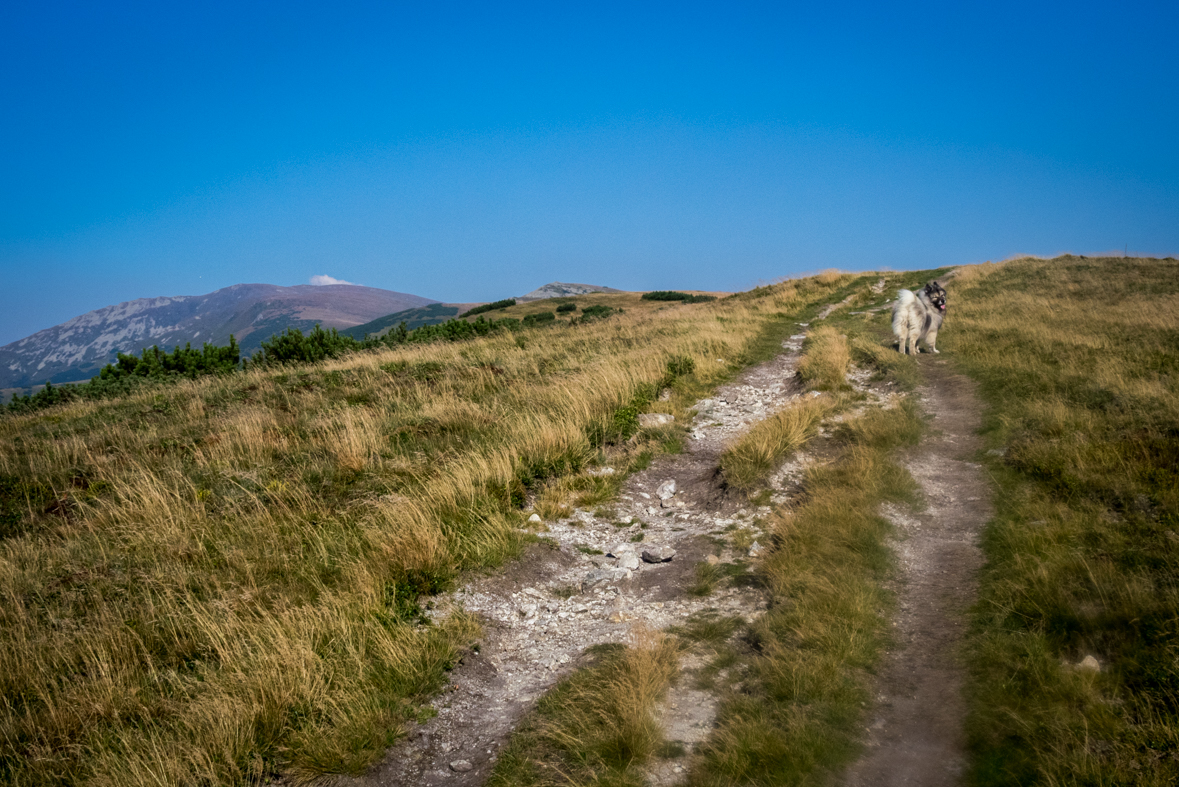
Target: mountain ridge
(77, 348)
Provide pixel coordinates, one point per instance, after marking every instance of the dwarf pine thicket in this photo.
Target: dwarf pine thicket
(672, 295)
(487, 307)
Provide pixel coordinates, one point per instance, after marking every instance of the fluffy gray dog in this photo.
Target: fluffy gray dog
(916, 317)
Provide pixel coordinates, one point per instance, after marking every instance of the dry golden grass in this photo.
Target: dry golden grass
(824, 365)
(215, 581)
(599, 726)
(748, 462)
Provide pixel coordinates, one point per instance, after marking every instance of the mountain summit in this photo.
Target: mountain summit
(77, 349)
(558, 289)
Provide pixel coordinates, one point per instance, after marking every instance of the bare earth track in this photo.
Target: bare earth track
(542, 613)
(916, 735)
(535, 635)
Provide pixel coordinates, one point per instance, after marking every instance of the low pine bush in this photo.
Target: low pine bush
(672, 295)
(487, 307)
(538, 319)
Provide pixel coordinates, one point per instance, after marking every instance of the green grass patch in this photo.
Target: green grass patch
(796, 713)
(709, 627)
(1078, 362)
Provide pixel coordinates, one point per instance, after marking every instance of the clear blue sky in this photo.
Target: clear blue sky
(473, 152)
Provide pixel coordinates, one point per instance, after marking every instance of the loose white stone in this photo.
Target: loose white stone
(630, 561)
(658, 554)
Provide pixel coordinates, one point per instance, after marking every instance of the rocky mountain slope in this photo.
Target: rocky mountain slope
(558, 289)
(77, 349)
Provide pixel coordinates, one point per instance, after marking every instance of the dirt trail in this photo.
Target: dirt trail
(916, 735)
(536, 631)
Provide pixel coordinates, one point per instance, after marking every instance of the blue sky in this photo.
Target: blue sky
(475, 151)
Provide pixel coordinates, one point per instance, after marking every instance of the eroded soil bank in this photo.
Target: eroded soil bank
(916, 732)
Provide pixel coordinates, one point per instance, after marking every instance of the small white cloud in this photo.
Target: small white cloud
(319, 281)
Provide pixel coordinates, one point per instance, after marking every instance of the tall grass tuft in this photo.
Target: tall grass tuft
(598, 727)
(749, 461)
(826, 359)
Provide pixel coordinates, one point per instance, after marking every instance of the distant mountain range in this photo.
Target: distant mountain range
(252, 313)
(77, 349)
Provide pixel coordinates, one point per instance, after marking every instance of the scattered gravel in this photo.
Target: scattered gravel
(542, 612)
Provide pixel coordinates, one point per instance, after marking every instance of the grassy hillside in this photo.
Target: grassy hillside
(1078, 360)
(413, 318)
(217, 581)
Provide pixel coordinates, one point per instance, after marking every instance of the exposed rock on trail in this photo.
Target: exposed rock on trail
(604, 573)
(916, 735)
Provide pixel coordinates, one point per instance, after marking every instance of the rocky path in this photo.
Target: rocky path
(916, 735)
(602, 574)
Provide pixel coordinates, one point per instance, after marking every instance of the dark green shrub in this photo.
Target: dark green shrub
(539, 319)
(292, 346)
(129, 371)
(566, 307)
(487, 307)
(672, 295)
(598, 312)
(680, 365)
